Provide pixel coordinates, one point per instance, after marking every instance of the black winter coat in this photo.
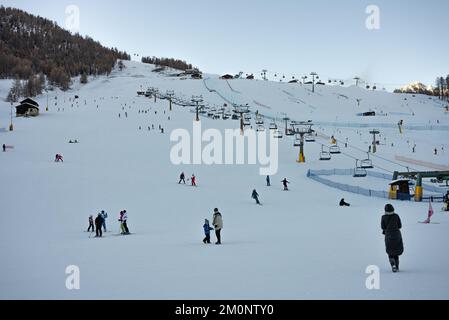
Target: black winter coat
(98, 221)
(391, 226)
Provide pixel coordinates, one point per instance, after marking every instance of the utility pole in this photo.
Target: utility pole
(302, 128)
(242, 110)
(155, 92)
(374, 132)
(170, 95)
(314, 74)
(197, 100)
(357, 79)
(286, 119)
(264, 74)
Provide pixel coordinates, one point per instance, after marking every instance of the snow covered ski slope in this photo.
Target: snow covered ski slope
(299, 245)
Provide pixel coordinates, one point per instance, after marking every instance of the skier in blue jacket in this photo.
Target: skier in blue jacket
(104, 215)
(207, 229)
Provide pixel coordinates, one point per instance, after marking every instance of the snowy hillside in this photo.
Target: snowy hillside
(299, 245)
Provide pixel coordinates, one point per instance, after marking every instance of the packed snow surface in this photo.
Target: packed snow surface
(299, 245)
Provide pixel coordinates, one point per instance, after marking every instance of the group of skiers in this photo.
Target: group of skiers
(217, 222)
(182, 178)
(99, 224)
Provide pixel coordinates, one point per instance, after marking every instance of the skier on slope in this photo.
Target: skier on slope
(268, 181)
(120, 219)
(125, 220)
(91, 223)
(193, 179)
(98, 225)
(255, 196)
(207, 229)
(391, 227)
(217, 222)
(285, 183)
(104, 215)
(182, 178)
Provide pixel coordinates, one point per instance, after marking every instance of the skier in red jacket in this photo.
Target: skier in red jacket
(193, 180)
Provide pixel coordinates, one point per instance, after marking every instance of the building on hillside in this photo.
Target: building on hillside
(27, 108)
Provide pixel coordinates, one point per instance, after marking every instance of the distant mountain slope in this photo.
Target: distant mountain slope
(30, 45)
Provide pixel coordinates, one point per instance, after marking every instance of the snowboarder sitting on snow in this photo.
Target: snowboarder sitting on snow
(255, 196)
(58, 158)
(218, 225)
(182, 178)
(207, 229)
(285, 183)
(344, 204)
(98, 225)
(91, 223)
(391, 228)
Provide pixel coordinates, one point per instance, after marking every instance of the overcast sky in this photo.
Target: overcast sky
(290, 37)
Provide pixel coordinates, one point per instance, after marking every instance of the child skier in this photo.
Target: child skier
(91, 223)
(207, 229)
(285, 183)
(193, 180)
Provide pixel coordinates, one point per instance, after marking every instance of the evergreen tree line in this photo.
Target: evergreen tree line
(168, 62)
(31, 46)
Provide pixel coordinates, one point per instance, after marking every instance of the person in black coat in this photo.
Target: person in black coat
(255, 196)
(182, 178)
(391, 227)
(343, 203)
(98, 226)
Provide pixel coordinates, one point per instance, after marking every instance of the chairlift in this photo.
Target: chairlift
(359, 172)
(310, 138)
(367, 163)
(273, 126)
(278, 134)
(246, 122)
(290, 132)
(260, 128)
(334, 149)
(297, 142)
(324, 155)
(235, 117)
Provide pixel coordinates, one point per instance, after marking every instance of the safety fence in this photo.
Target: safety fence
(317, 176)
(382, 125)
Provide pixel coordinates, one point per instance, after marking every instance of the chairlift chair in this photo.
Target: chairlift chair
(324, 155)
(273, 126)
(334, 149)
(367, 163)
(290, 132)
(278, 134)
(297, 142)
(359, 172)
(260, 128)
(310, 138)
